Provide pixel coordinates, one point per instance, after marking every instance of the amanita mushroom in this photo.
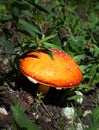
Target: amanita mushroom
(59, 72)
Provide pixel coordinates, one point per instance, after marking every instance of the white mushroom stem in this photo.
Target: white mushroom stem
(42, 88)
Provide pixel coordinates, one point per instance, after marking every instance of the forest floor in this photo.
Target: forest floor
(14, 86)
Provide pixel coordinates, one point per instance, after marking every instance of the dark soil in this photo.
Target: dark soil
(13, 85)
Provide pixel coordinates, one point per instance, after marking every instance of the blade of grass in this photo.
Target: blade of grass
(22, 119)
(6, 43)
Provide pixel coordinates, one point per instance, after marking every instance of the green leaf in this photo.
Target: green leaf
(96, 115)
(46, 38)
(6, 43)
(21, 119)
(27, 13)
(93, 120)
(92, 71)
(57, 42)
(46, 9)
(90, 119)
(96, 79)
(50, 53)
(50, 45)
(6, 18)
(78, 58)
(28, 27)
(75, 97)
(83, 67)
(76, 43)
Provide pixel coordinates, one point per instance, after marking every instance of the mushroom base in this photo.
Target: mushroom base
(44, 89)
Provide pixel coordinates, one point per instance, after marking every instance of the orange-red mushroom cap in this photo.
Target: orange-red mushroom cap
(60, 72)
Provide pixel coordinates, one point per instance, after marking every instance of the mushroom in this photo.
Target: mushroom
(61, 71)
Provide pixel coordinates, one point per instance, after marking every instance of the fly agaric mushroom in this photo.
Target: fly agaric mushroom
(59, 72)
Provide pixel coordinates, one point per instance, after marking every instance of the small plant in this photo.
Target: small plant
(93, 120)
(38, 101)
(21, 120)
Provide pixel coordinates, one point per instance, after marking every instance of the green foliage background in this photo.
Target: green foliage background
(26, 25)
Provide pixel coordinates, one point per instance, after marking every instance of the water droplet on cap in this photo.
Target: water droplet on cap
(75, 67)
(70, 84)
(67, 81)
(68, 68)
(25, 59)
